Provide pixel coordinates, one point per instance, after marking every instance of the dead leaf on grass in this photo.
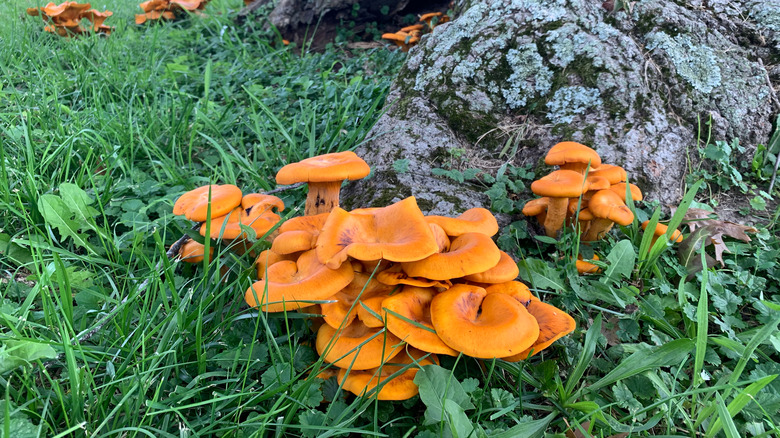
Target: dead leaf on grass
(708, 230)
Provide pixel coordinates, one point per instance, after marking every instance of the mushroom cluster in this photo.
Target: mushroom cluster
(168, 9)
(224, 212)
(408, 36)
(66, 18)
(395, 287)
(583, 189)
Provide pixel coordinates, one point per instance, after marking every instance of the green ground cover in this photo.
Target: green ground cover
(99, 136)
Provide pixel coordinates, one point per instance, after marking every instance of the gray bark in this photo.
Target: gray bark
(638, 87)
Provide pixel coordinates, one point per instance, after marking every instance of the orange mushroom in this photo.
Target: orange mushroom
(194, 252)
(409, 318)
(292, 285)
(559, 186)
(482, 325)
(469, 253)
(357, 346)
(570, 155)
(400, 387)
(607, 209)
(324, 175)
(397, 233)
(195, 203)
(505, 270)
(660, 230)
(474, 220)
(553, 325)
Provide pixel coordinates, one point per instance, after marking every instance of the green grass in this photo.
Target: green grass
(98, 137)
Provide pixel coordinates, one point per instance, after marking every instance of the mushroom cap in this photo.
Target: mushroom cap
(482, 325)
(396, 37)
(570, 152)
(469, 253)
(515, 289)
(229, 226)
(442, 239)
(414, 304)
(261, 201)
(412, 28)
(430, 16)
(189, 5)
(401, 387)
(586, 215)
(65, 11)
(324, 168)
(554, 324)
(195, 203)
(584, 267)
(474, 220)
(596, 182)
(620, 190)
(293, 241)
(291, 284)
(661, 229)
(154, 5)
(560, 184)
(536, 206)
(395, 275)
(312, 224)
(343, 310)
(266, 259)
(505, 270)
(397, 233)
(607, 205)
(357, 346)
(194, 252)
(370, 308)
(614, 174)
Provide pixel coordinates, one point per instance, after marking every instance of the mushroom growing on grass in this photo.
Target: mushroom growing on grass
(394, 386)
(324, 175)
(482, 325)
(559, 186)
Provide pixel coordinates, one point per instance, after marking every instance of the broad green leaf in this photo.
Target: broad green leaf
(531, 429)
(438, 385)
(648, 358)
(13, 252)
(456, 420)
(79, 203)
(18, 424)
(14, 354)
(621, 262)
(538, 273)
(57, 214)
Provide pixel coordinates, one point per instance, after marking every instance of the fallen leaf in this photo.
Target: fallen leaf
(707, 229)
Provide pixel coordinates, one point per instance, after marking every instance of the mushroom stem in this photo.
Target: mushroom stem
(598, 228)
(556, 215)
(323, 197)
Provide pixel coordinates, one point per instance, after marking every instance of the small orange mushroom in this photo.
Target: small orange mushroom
(357, 346)
(401, 387)
(194, 204)
(324, 175)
